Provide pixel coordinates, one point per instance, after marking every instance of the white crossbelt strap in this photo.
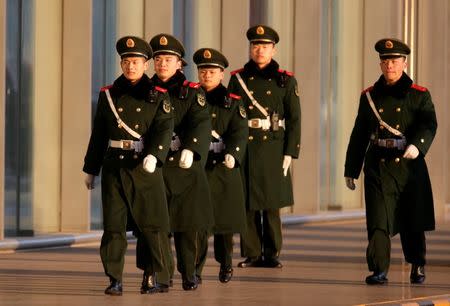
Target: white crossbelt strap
(119, 121)
(254, 102)
(215, 135)
(374, 109)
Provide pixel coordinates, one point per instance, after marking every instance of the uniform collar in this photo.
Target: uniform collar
(216, 95)
(270, 71)
(173, 85)
(139, 90)
(399, 89)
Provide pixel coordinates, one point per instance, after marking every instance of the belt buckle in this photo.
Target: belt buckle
(255, 123)
(390, 143)
(127, 144)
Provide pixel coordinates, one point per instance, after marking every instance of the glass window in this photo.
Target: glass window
(103, 73)
(18, 133)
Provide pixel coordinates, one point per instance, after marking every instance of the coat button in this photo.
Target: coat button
(269, 80)
(381, 127)
(266, 108)
(250, 137)
(138, 109)
(119, 125)
(422, 140)
(214, 162)
(398, 109)
(264, 137)
(120, 109)
(136, 126)
(213, 115)
(251, 92)
(382, 160)
(170, 158)
(237, 149)
(381, 110)
(268, 92)
(121, 157)
(194, 140)
(397, 126)
(251, 78)
(135, 156)
(160, 147)
(250, 107)
(397, 160)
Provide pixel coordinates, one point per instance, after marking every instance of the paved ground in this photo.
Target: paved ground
(324, 264)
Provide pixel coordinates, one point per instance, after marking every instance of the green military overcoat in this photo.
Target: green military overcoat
(276, 90)
(397, 190)
(187, 189)
(146, 109)
(229, 121)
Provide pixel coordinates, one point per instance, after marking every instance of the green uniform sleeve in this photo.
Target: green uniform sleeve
(236, 136)
(422, 133)
(198, 125)
(359, 140)
(160, 131)
(98, 142)
(292, 116)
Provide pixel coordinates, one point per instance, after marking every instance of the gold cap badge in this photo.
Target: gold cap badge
(163, 41)
(207, 54)
(260, 30)
(388, 44)
(130, 43)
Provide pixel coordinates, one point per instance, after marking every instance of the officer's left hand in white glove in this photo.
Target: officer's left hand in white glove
(186, 159)
(229, 161)
(149, 163)
(286, 163)
(411, 152)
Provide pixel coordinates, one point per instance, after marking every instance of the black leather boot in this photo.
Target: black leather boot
(114, 288)
(377, 278)
(251, 262)
(225, 274)
(417, 275)
(189, 284)
(150, 286)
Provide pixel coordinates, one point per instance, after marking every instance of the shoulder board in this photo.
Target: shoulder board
(106, 87)
(419, 88)
(289, 73)
(186, 83)
(160, 89)
(236, 71)
(194, 85)
(236, 97)
(366, 90)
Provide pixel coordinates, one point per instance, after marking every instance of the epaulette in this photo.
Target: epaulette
(236, 71)
(366, 90)
(419, 88)
(191, 84)
(233, 96)
(160, 89)
(106, 87)
(289, 73)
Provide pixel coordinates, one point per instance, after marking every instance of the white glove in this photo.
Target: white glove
(229, 161)
(149, 163)
(350, 182)
(286, 163)
(411, 152)
(89, 181)
(186, 159)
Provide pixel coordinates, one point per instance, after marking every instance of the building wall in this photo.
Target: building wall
(327, 44)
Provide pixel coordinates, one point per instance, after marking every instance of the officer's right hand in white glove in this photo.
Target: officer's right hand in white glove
(350, 182)
(186, 159)
(286, 163)
(229, 161)
(89, 181)
(149, 163)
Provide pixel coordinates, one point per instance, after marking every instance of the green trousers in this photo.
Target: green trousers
(223, 250)
(263, 237)
(150, 254)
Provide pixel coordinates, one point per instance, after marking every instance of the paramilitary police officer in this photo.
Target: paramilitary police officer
(190, 208)
(130, 139)
(228, 142)
(271, 98)
(393, 131)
